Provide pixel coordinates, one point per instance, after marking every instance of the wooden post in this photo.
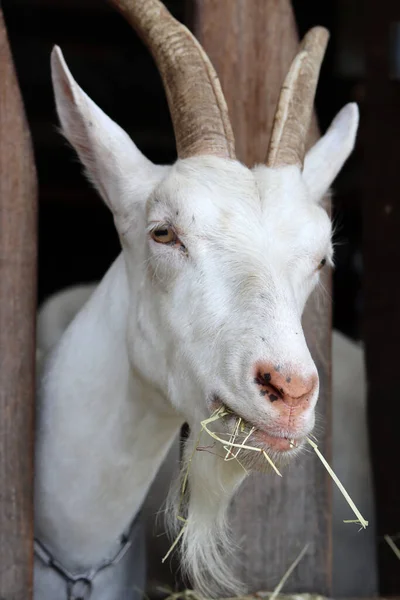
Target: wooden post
(381, 220)
(251, 45)
(17, 342)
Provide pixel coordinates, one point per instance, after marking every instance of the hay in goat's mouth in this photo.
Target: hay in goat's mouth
(233, 449)
(360, 519)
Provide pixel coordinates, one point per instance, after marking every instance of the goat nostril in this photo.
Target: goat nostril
(267, 377)
(275, 384)
(264, 381)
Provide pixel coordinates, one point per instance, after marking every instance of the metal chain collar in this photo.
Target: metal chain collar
(80, 586)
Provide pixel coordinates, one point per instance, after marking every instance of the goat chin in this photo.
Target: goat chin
(206, 542)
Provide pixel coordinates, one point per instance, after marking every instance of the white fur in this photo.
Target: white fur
(57, 312)
(166, 331)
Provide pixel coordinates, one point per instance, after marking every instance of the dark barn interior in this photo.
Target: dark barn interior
(77, 239)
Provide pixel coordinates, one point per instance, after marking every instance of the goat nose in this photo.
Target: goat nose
(278, 384)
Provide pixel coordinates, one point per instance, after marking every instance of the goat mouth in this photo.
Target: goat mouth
(280, 443)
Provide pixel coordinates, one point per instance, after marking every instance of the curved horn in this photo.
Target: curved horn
(293, 114)
(196, 102)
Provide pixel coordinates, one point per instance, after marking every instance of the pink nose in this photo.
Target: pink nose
(283, 386)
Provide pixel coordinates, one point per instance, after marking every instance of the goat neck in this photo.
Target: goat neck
(99, 449)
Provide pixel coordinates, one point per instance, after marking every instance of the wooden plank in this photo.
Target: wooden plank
(251, 45)
(17, 311)
(381, 217)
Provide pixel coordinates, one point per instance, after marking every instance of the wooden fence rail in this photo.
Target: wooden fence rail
(17, 339)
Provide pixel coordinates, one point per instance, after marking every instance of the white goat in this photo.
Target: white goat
(201, 309)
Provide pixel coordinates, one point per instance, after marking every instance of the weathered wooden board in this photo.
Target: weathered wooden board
(251, 44)
(381, 219)
(17, 310)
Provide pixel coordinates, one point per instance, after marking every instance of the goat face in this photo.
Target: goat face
(231, 258)
(221, 260)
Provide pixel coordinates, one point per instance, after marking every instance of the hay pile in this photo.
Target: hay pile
(190, 595)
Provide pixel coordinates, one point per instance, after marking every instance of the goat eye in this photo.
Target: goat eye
(164, 235)
(322, 264)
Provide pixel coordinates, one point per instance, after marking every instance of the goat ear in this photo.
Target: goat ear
(109, 156)
(325, 159)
